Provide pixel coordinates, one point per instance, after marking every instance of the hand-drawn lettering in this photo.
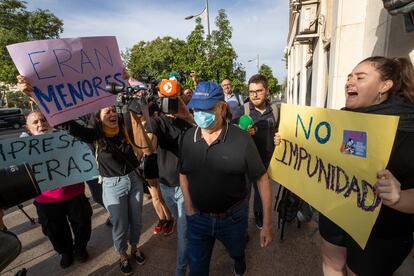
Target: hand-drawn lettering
(63, 139)
(52, 166)
(306, 132)
(32, 145)
(72, 165)
(47, 146)
(36, 172)
(87, 157)
(15, 147)
(36, 63)
(333, 177)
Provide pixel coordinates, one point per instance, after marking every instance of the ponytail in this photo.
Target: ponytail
(407, 79)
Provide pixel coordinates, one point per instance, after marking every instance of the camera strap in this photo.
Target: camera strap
(130, 132)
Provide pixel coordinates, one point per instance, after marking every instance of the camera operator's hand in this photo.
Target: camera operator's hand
(183, 112)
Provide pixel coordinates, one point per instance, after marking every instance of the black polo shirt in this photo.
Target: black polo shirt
(216, 173)
(168, 131)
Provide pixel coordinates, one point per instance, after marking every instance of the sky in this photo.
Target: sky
(259, 26)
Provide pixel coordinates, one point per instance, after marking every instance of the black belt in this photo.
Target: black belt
(229, 212)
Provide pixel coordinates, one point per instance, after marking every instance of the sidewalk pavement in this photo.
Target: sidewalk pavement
(297, 254)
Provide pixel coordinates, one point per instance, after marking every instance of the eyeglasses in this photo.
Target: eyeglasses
(259, 91)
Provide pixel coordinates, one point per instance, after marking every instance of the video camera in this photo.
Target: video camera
(136, 98)
(18, 185)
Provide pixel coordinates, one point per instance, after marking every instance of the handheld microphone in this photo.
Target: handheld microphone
(245, 122)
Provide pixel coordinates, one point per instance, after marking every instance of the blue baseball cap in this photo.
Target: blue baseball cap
(206, 95)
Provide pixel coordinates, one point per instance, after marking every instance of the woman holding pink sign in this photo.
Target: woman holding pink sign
(122, 183)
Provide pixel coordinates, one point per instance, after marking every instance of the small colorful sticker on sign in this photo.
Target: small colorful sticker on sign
(354, 143)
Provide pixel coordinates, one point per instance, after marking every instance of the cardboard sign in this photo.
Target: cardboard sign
(69, 75)
(57, 159)
(330, 159)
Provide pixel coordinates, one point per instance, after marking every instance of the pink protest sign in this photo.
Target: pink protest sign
(69, 75)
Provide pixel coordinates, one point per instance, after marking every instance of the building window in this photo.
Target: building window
(308, 84)
(298, 89)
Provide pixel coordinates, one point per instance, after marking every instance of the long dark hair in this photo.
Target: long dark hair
(102, 141)
(399, 70)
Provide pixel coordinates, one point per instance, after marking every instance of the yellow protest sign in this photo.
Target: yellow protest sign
(330, 158)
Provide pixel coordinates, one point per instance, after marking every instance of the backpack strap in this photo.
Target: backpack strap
(239, 99)
(246, 108)
(275, 111)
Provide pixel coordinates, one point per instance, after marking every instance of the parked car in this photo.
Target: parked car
(12, 117)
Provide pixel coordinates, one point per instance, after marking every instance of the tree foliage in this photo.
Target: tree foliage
(155, 58)
(265, 70)
(211, 57)
(17, 24)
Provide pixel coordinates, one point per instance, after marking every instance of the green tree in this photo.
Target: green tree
(195, 53)
(222, 55)
(212, 58)
(17, 24)
(155, 58)
(272, 81)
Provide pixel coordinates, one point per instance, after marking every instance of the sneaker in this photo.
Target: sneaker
(158, 228)
(139, 257)
(258, 217)
(239, 268)
(66, 260)
(169, 227)
(125, 267)
(81, 255)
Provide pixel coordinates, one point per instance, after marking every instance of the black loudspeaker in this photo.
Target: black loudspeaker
(18, 184)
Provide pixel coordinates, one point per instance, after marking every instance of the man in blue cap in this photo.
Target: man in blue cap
(215, 156)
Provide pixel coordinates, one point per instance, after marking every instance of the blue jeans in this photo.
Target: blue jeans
(203, 230)
(174, 199)
(122, 196)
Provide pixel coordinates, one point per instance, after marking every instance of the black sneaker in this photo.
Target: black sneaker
(139, 257)
(125, 267)
(66, 260)
(81, 255)
(258, 217)
(239, 268)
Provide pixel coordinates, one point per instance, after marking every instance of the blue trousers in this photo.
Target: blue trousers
(203, 230)
(174, 199)
(122, 196)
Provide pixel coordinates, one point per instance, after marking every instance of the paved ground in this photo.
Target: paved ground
(298, 254)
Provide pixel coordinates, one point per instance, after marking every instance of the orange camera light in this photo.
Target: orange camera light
(170, 88)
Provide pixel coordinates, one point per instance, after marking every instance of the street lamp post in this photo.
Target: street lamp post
(208, 17)
(257, 62)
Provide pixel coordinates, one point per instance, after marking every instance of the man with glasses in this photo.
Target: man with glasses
(265, 124)
(212, 174)
(234, 100)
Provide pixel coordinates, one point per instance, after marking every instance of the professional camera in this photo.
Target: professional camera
(18, 185)
(136, 98)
